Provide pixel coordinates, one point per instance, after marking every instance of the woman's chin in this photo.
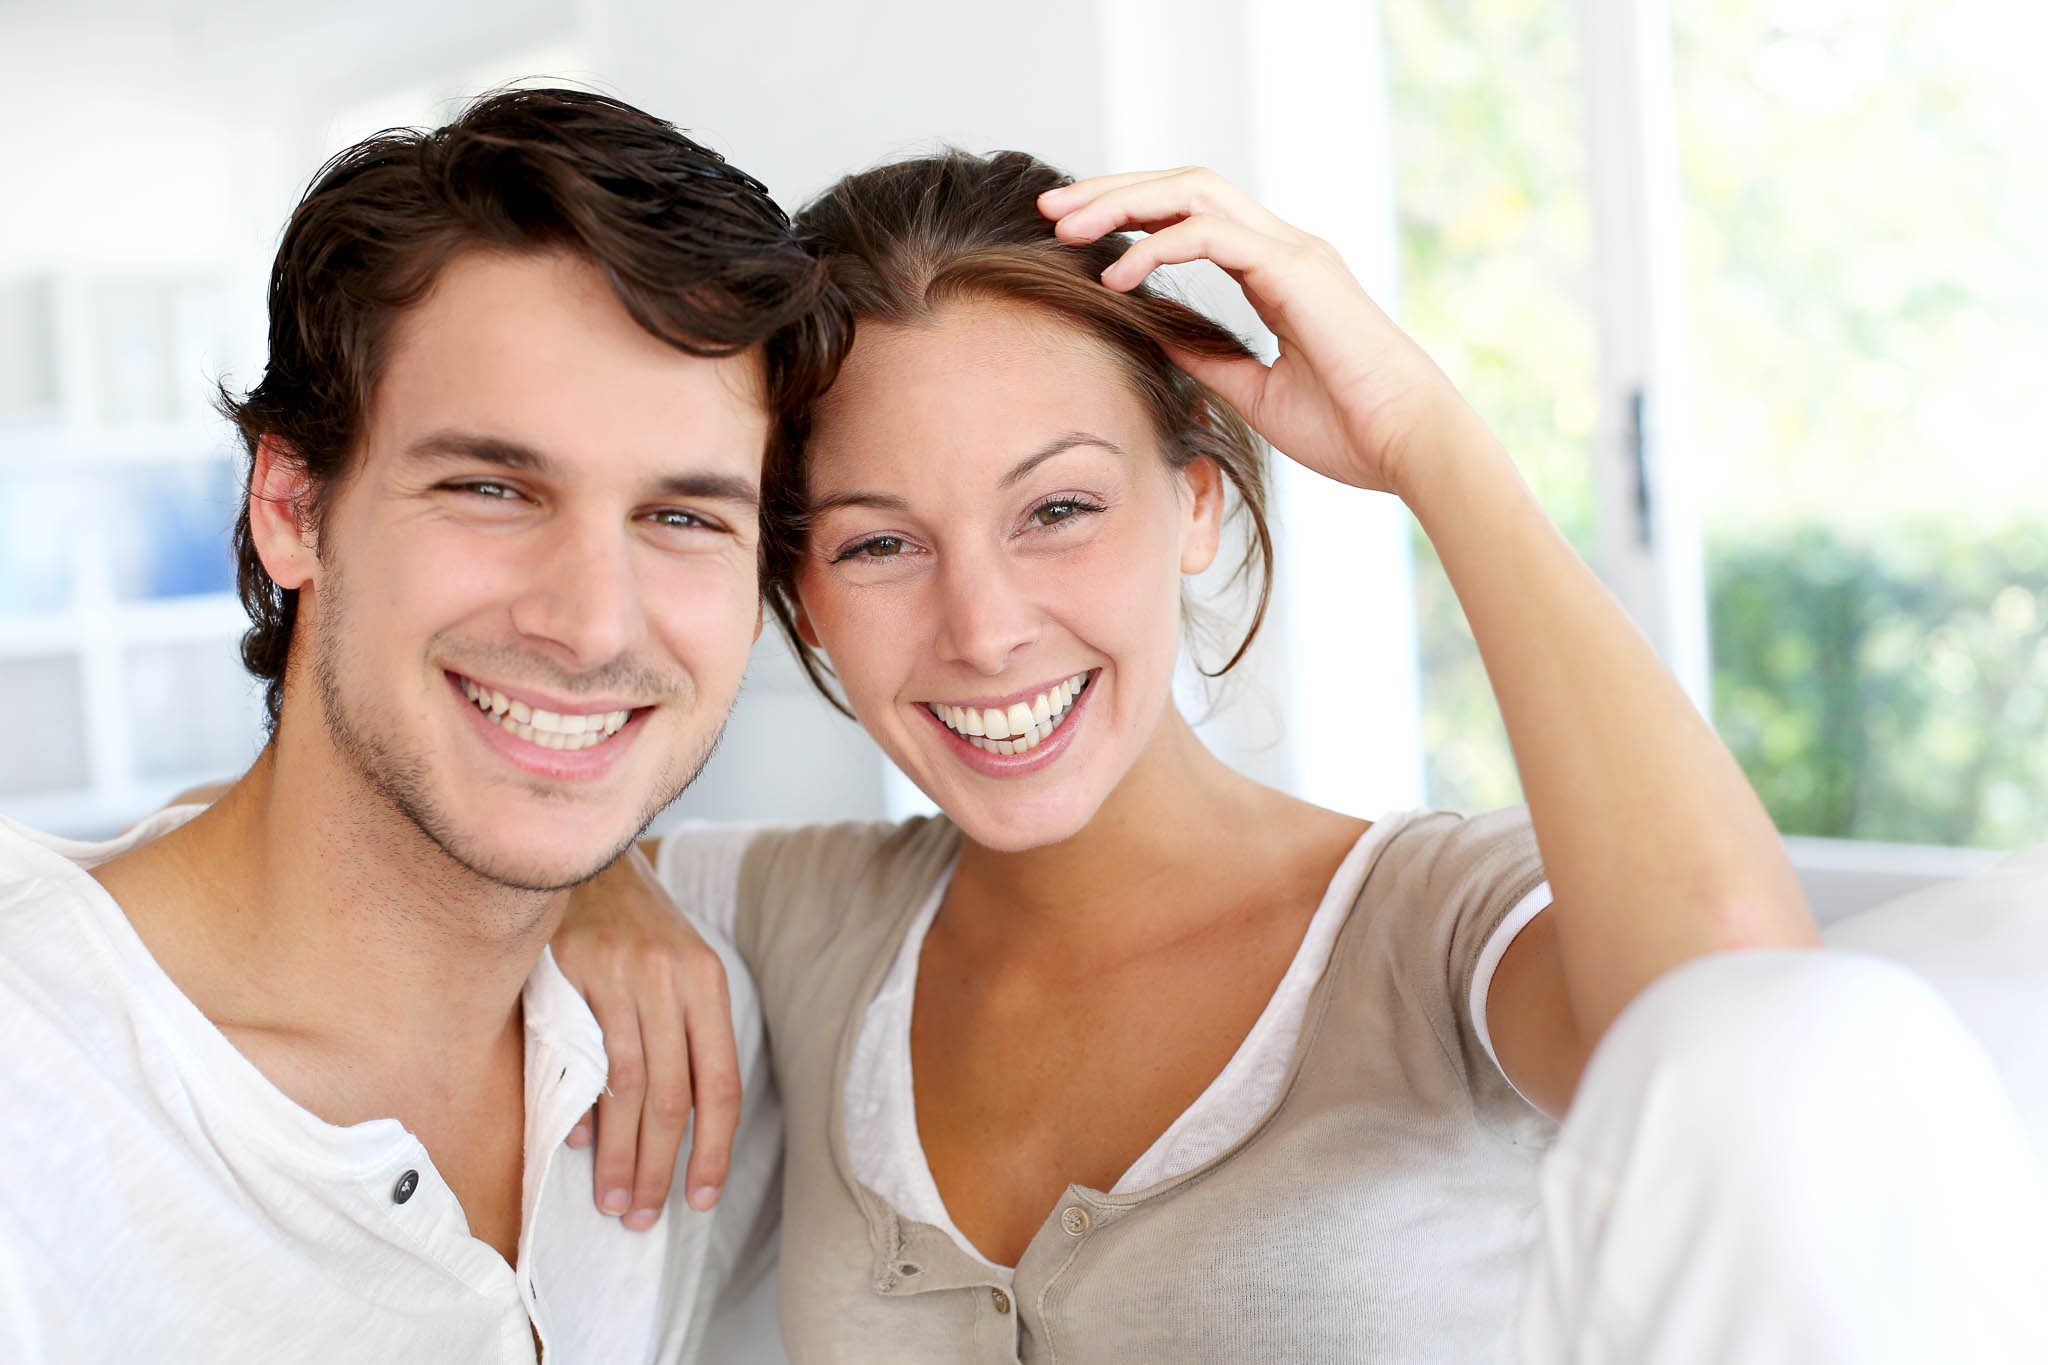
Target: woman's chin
(1019, 823)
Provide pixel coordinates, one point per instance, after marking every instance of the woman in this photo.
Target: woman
(1130, 1057)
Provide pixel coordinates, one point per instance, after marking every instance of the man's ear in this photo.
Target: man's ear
(1202, 529)
(280, 515)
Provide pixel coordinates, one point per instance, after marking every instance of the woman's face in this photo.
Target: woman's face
(995, 563)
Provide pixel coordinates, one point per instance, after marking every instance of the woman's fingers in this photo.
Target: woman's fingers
(1149, 201)
(665, 1112)
(618, 1109)
(1238, 380)
(715, 1073)
(1238, 249)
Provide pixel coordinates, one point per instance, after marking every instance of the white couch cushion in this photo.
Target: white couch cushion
(1983, 943)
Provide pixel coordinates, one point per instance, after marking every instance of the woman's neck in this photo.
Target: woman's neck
(1181, 817)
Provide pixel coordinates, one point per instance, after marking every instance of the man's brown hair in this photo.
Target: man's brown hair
(694, 248)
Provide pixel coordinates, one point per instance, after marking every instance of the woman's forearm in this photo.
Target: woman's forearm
(1656, 847)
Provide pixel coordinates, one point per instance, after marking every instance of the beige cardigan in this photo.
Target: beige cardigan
(1379, 1211)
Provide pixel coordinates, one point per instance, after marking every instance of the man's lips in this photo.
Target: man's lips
(566, 745)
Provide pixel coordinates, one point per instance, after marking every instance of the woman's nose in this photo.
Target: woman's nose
(986, 613)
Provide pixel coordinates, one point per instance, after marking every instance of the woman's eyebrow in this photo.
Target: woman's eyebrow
(1055, 446)
(886, 502)
(891, 502)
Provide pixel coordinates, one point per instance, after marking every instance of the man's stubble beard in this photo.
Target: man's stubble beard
(403, 782)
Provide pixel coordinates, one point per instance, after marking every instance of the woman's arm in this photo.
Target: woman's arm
(1656, 848)
(659, 994)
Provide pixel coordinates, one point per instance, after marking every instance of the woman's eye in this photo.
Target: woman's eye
(1054, 512)
(1059, 510)
(881, 547)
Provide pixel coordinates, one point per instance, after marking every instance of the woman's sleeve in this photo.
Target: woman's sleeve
(699, 867)
(1474, 882)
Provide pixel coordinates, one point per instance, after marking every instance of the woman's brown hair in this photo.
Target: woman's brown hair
(903, 240)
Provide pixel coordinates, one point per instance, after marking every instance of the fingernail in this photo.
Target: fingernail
(702, 1197)
(641, 1219)
(615, 1201)
(579, 1136)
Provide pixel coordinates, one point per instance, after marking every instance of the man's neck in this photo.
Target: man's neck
(340, 948)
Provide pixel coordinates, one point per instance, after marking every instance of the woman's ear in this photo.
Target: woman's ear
(281, 517)
(805, 631)
(1202, 527)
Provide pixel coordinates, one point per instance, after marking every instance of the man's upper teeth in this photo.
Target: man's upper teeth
(1024, 723)
(511, 712)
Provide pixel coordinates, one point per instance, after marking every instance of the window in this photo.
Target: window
(1857, 307)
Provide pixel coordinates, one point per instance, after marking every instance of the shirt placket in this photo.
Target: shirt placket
(917, 1258)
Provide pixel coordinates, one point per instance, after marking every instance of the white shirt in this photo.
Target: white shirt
(700, 867)
(163, 1201)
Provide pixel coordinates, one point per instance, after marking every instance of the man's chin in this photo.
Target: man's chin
(543, 864)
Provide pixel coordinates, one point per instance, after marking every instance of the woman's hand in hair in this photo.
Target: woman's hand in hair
(1350, 395)
(659, 993)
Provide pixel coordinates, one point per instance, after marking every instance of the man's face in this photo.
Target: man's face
(536, 589)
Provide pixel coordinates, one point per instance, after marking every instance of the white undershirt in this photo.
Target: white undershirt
(880, 1099)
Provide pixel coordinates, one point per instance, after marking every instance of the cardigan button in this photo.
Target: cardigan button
(1075, 1220)
(1002, 1300)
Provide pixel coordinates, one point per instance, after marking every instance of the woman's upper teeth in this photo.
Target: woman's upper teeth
(1020, 721)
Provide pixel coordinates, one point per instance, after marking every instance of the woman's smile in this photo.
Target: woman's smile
(1016, 736)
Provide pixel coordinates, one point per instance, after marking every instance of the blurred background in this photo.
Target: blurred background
(1754, 289)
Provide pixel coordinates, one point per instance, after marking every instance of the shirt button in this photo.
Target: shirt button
(1002, 1300)
(1075, 1220)
(407, 1183)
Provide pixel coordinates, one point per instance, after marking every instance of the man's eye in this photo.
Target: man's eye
(496, 491)
(676, 516)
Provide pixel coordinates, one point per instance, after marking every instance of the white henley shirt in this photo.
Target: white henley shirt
(163, 1201)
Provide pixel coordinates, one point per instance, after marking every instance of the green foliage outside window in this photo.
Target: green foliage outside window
(1867, 305)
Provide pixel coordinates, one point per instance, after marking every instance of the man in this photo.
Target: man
(290, 1079)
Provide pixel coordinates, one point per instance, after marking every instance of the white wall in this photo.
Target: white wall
(181, 133)
(800, 94)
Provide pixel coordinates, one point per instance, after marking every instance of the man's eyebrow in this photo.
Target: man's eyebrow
(713, 487)
(475, 446)
(496, 450)
(890, 502)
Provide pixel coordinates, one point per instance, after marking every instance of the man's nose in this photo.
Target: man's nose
(986, 613)
(581, 594)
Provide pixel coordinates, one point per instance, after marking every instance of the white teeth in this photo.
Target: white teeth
(1013, 729)
(546, 729)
